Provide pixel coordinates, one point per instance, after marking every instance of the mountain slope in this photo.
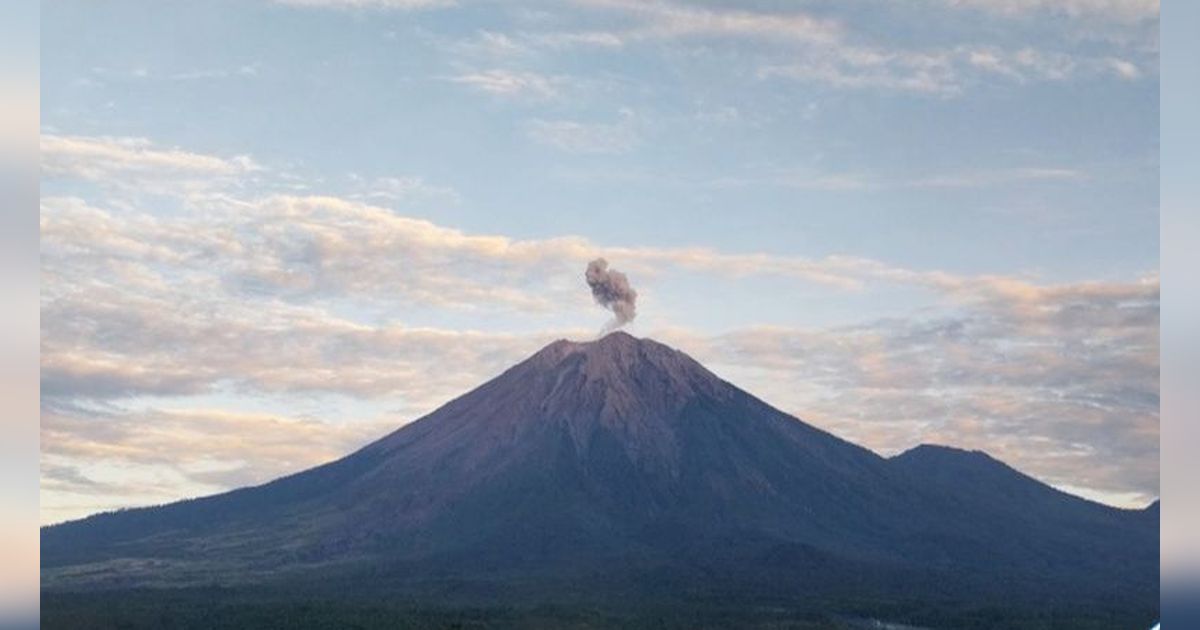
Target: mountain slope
(589, 463)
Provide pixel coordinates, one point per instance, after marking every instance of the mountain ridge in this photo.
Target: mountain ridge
(624, 456)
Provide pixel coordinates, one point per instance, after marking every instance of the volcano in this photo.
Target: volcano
(622, 470)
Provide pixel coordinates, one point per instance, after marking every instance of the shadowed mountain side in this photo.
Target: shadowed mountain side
(623, 466)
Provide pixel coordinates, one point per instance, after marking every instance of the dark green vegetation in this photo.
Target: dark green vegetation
(217, 609)
(618, 476)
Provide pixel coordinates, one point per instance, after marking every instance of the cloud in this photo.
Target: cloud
(1119, 10)
(808, 179)
(828, 51)
(511, 83)
(306, 250)
(586, 137)
(398, 5)
(589, 39)
(945, 72)
(138, 168)
(857, 67)
(660, 20)
(243, 293)
(103, 158)
(96, 459)
(133, 167)
(492, 45)
(244, 297)
(1060, 381)
(820, 43)
(997, 177)
(804, 179)
(405, 189)
(109, 344)
(1124, 69)
(141, 73)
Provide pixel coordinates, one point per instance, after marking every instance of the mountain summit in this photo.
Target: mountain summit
(620, 464)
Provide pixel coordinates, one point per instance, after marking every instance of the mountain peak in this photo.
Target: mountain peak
(633, 371)
(608, 343)
(634, 391)
(617, 354)
(615, 337)
(940, 453)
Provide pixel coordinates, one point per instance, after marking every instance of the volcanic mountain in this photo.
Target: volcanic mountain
(623, 468)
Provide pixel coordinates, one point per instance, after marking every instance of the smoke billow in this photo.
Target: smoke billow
(611, 290)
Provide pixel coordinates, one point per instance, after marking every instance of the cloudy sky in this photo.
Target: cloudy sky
(273, 231)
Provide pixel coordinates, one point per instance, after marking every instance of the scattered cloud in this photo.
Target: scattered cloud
(802, 46)
(96, 459)
(493, 45)
(246, 70)
(408, 189)
(141, 73)
(660, 20)
(117, 342)
(995, 177)
(945, 72)
(511, 83)
(249, 296)
(1124, 69)
(679, 19)
(810, 179)
(105, 158)
(574, 39)
(399, 5)
(587, 137)
(1060, 381)
(1120, 10)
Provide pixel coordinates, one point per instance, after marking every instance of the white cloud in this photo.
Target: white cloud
(1120, 10)
(590, 39)
(809, 179)
(100, 158)
(670, 20)
(512, 83)
(1124, 69)
(406, 189)
(1000, 176)
(491, 45)
(1060, 381)
(587, 137)
(286, 295)
(97, 459)
(800, 46)
(945, 72)
(400, 5)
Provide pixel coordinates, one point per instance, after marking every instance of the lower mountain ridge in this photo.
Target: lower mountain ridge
(622, 472)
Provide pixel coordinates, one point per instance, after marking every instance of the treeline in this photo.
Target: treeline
(213, 609)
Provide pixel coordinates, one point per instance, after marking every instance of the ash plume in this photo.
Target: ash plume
(611, 290)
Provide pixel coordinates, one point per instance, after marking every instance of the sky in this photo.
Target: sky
(273, 231)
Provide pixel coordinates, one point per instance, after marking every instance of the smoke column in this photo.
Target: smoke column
(611, 290)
